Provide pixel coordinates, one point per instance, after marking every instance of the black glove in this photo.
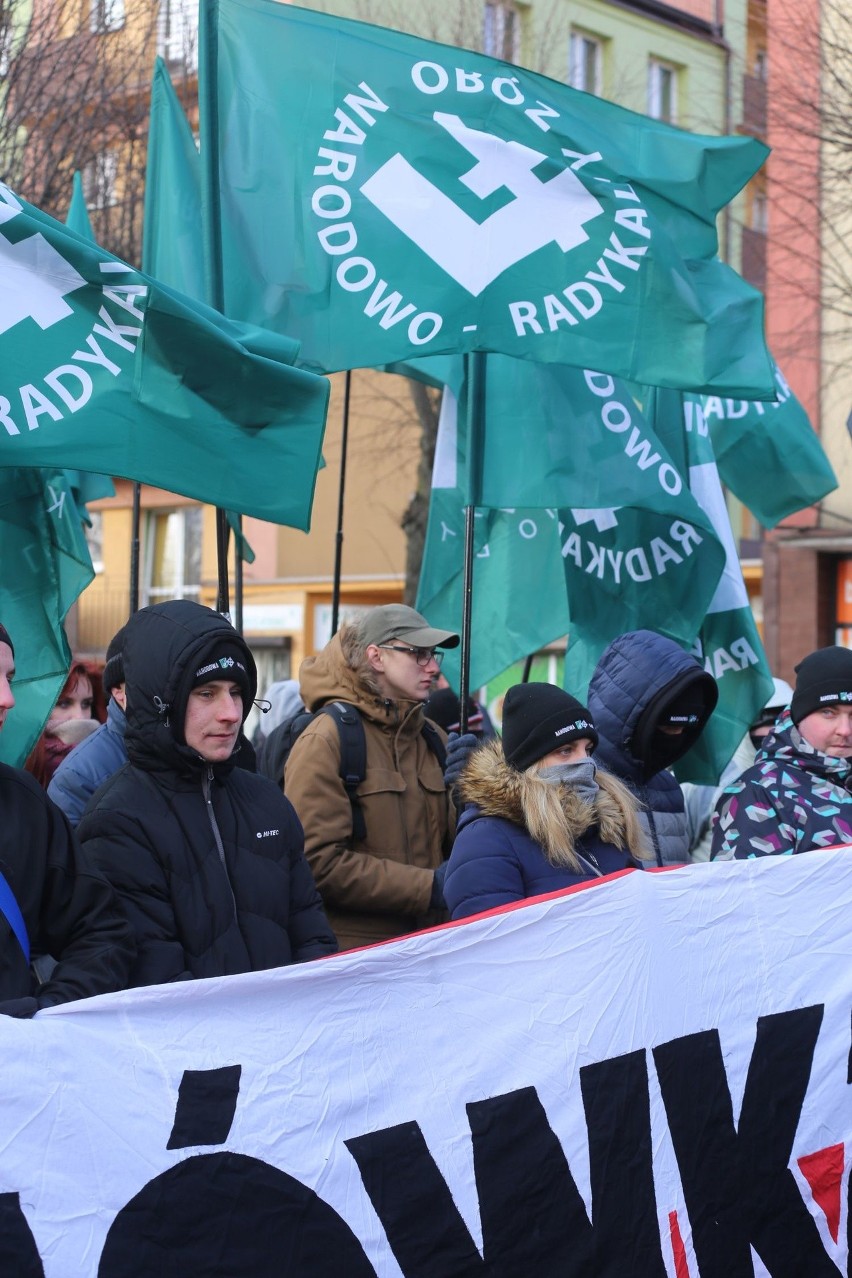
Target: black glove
(459, 750)
(436, 901)
(23, 1008)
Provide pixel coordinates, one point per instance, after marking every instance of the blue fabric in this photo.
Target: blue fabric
(12, 912)
(635, 668)
(494, 862)
(89, 765)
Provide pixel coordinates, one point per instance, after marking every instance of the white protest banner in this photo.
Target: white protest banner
(649, 1076)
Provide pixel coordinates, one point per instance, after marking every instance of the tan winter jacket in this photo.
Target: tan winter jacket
(380, 887)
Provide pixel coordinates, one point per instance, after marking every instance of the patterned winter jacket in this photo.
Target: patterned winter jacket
(794, 798)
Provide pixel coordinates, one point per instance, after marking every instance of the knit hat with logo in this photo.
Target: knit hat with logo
(823, 678)
(538, 718)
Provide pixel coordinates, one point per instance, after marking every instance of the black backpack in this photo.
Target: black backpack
(272, 758)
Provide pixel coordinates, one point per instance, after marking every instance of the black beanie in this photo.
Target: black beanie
(224, 660)
(4, 638)
(538, 718)
(113, 671)
(823, 678)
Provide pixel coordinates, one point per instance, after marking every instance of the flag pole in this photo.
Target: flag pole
(238, 576)
(136, 520)
(341, 489)
(475, 382)
(208, 102)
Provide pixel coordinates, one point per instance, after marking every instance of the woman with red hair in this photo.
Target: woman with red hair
(79, 708)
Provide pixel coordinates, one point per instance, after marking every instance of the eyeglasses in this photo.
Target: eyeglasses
(421, 655)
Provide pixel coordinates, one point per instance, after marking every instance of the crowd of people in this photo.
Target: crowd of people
(161, 844)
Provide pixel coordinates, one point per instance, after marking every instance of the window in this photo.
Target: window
(106, 15)
(177, 32)
(173, 554)
(760, 212)
(585, 63)
(99, 180)
(662, 91)
(94, 534)
(502, 32)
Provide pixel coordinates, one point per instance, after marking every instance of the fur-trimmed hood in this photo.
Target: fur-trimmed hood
(555, 816)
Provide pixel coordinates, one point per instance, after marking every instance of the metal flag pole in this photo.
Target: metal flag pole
(341, 490)
(208, 101)
(238, 576)
(134, 548)
(475, 383)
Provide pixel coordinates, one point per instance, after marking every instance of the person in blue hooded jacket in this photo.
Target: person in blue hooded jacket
(96, 759)
(650, 701)
(541, 815)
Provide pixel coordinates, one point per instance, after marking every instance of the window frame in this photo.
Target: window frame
(579, 42)
(658, 70)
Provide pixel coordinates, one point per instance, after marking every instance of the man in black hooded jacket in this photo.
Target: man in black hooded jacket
(207, 857)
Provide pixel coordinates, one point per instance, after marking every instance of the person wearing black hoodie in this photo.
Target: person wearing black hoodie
(51, 899)
(650, 701)
(207, 857)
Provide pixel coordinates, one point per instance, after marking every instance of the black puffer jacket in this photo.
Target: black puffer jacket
(69, 911)
(208, 858)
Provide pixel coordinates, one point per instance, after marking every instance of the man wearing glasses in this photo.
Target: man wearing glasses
(387, 883)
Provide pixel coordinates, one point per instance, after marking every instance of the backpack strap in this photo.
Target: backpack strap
(353, 758)
(435, 742)
(12, 912)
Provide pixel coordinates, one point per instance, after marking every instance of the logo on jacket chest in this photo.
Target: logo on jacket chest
(267, 834)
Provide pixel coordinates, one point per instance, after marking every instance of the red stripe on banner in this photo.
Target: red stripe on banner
(517, 905)
(679, 1250)
(824, 1171)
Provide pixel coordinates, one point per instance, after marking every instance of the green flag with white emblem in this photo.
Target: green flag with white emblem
(590, 526)
(386, 198)
(107, 370)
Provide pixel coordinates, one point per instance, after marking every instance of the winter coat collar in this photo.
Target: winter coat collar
(496, 790)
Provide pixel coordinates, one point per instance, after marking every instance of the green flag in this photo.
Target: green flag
(386, 197)
(108, 370)
(769, 455)
(77, 217)
(171, 242)
(46, 565)
(728, 642)
(518, 592)
(172, 249)
(638, 550)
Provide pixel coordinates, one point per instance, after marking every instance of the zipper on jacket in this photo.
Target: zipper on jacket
(206, 779)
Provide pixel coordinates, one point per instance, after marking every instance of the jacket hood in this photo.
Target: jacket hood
(329, 677)
(637, 677)
(498, 790)
(164, 645)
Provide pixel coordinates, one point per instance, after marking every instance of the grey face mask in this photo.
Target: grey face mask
(580, 776)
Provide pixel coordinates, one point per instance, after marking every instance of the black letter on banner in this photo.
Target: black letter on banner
(224, 1214)
(18, 1251)
(533, 1218)
(739, 1190)
(207, 1102)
